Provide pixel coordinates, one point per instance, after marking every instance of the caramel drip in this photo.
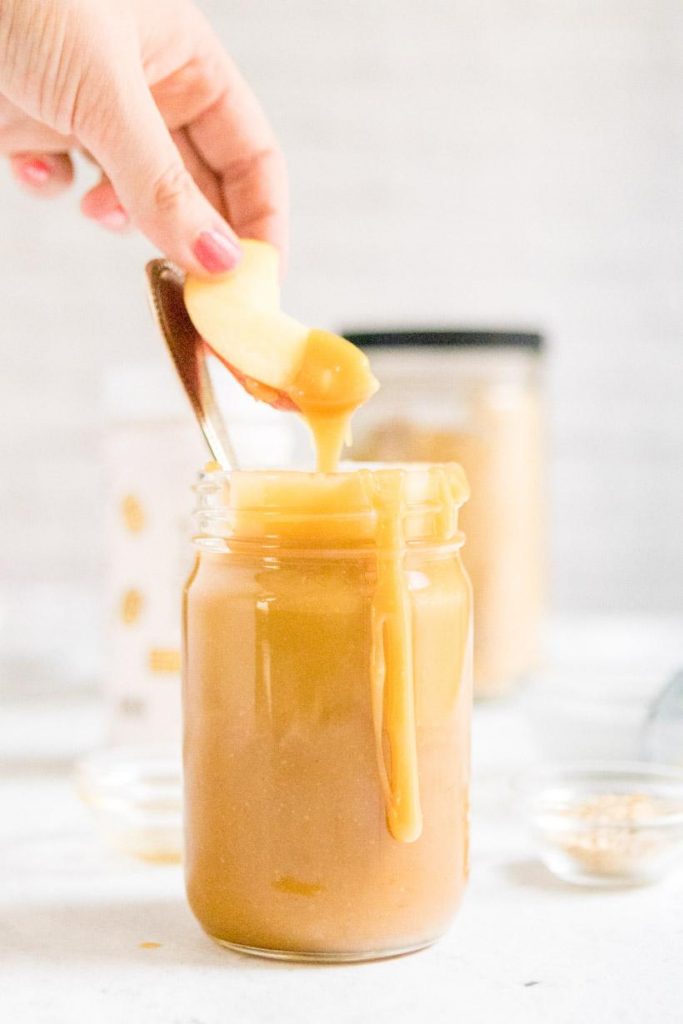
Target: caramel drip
(329, 436)
(334, 378)
(295, 887)
(393, 695)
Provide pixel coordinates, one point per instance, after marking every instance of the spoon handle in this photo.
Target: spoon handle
(189, 354)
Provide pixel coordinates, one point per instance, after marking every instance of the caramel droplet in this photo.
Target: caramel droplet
(294, 886)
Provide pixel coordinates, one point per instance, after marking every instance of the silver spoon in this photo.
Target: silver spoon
(662, 737)
(188, 352)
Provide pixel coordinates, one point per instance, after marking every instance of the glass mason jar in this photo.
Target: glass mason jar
(327, 692)
(473, 397)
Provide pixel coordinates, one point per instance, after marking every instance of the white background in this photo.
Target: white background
(499, 162)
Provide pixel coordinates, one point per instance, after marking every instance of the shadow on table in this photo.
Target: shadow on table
(532, 874)
(155, 932)
(36, 766)
(159, 933)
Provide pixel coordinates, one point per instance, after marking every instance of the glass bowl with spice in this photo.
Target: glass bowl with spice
(606, 824)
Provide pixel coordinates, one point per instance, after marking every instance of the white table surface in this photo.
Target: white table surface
(525, 948)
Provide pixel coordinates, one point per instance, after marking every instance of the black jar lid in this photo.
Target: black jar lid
(443, 338)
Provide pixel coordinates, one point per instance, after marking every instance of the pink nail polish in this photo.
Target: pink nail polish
(216, 251)
(35, 172)
(114, 219)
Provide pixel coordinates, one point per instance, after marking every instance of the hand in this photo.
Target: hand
(145, 88)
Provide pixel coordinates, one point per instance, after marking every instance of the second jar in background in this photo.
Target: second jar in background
(473, 397)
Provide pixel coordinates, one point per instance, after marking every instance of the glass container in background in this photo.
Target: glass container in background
(152, 449)
(473, 397)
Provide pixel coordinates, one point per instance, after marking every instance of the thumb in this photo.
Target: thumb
(133, 146)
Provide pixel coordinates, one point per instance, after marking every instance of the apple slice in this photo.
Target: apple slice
(276, 358)
(262, 392)
(238, 315)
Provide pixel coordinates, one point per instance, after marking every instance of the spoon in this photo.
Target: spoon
(663, 731)
(188, 352)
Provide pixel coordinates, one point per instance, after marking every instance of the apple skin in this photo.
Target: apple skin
(261, 392)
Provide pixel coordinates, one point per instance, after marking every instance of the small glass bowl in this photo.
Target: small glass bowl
(606, 824)
(136, 797)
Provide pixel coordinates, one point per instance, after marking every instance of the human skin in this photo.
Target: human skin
(146, 90)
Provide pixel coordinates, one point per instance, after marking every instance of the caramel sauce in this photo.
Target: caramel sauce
(327, 693)
(295, 887)
(393, 698)
(321, 510)
(332, 380)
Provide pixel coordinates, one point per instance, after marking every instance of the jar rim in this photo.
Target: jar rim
(351, 506)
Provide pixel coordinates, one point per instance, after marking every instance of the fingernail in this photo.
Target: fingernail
(114, 219)
(216, 251)
(35, 172)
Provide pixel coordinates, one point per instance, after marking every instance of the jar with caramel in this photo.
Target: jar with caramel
(327, 691)
(473, 397)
